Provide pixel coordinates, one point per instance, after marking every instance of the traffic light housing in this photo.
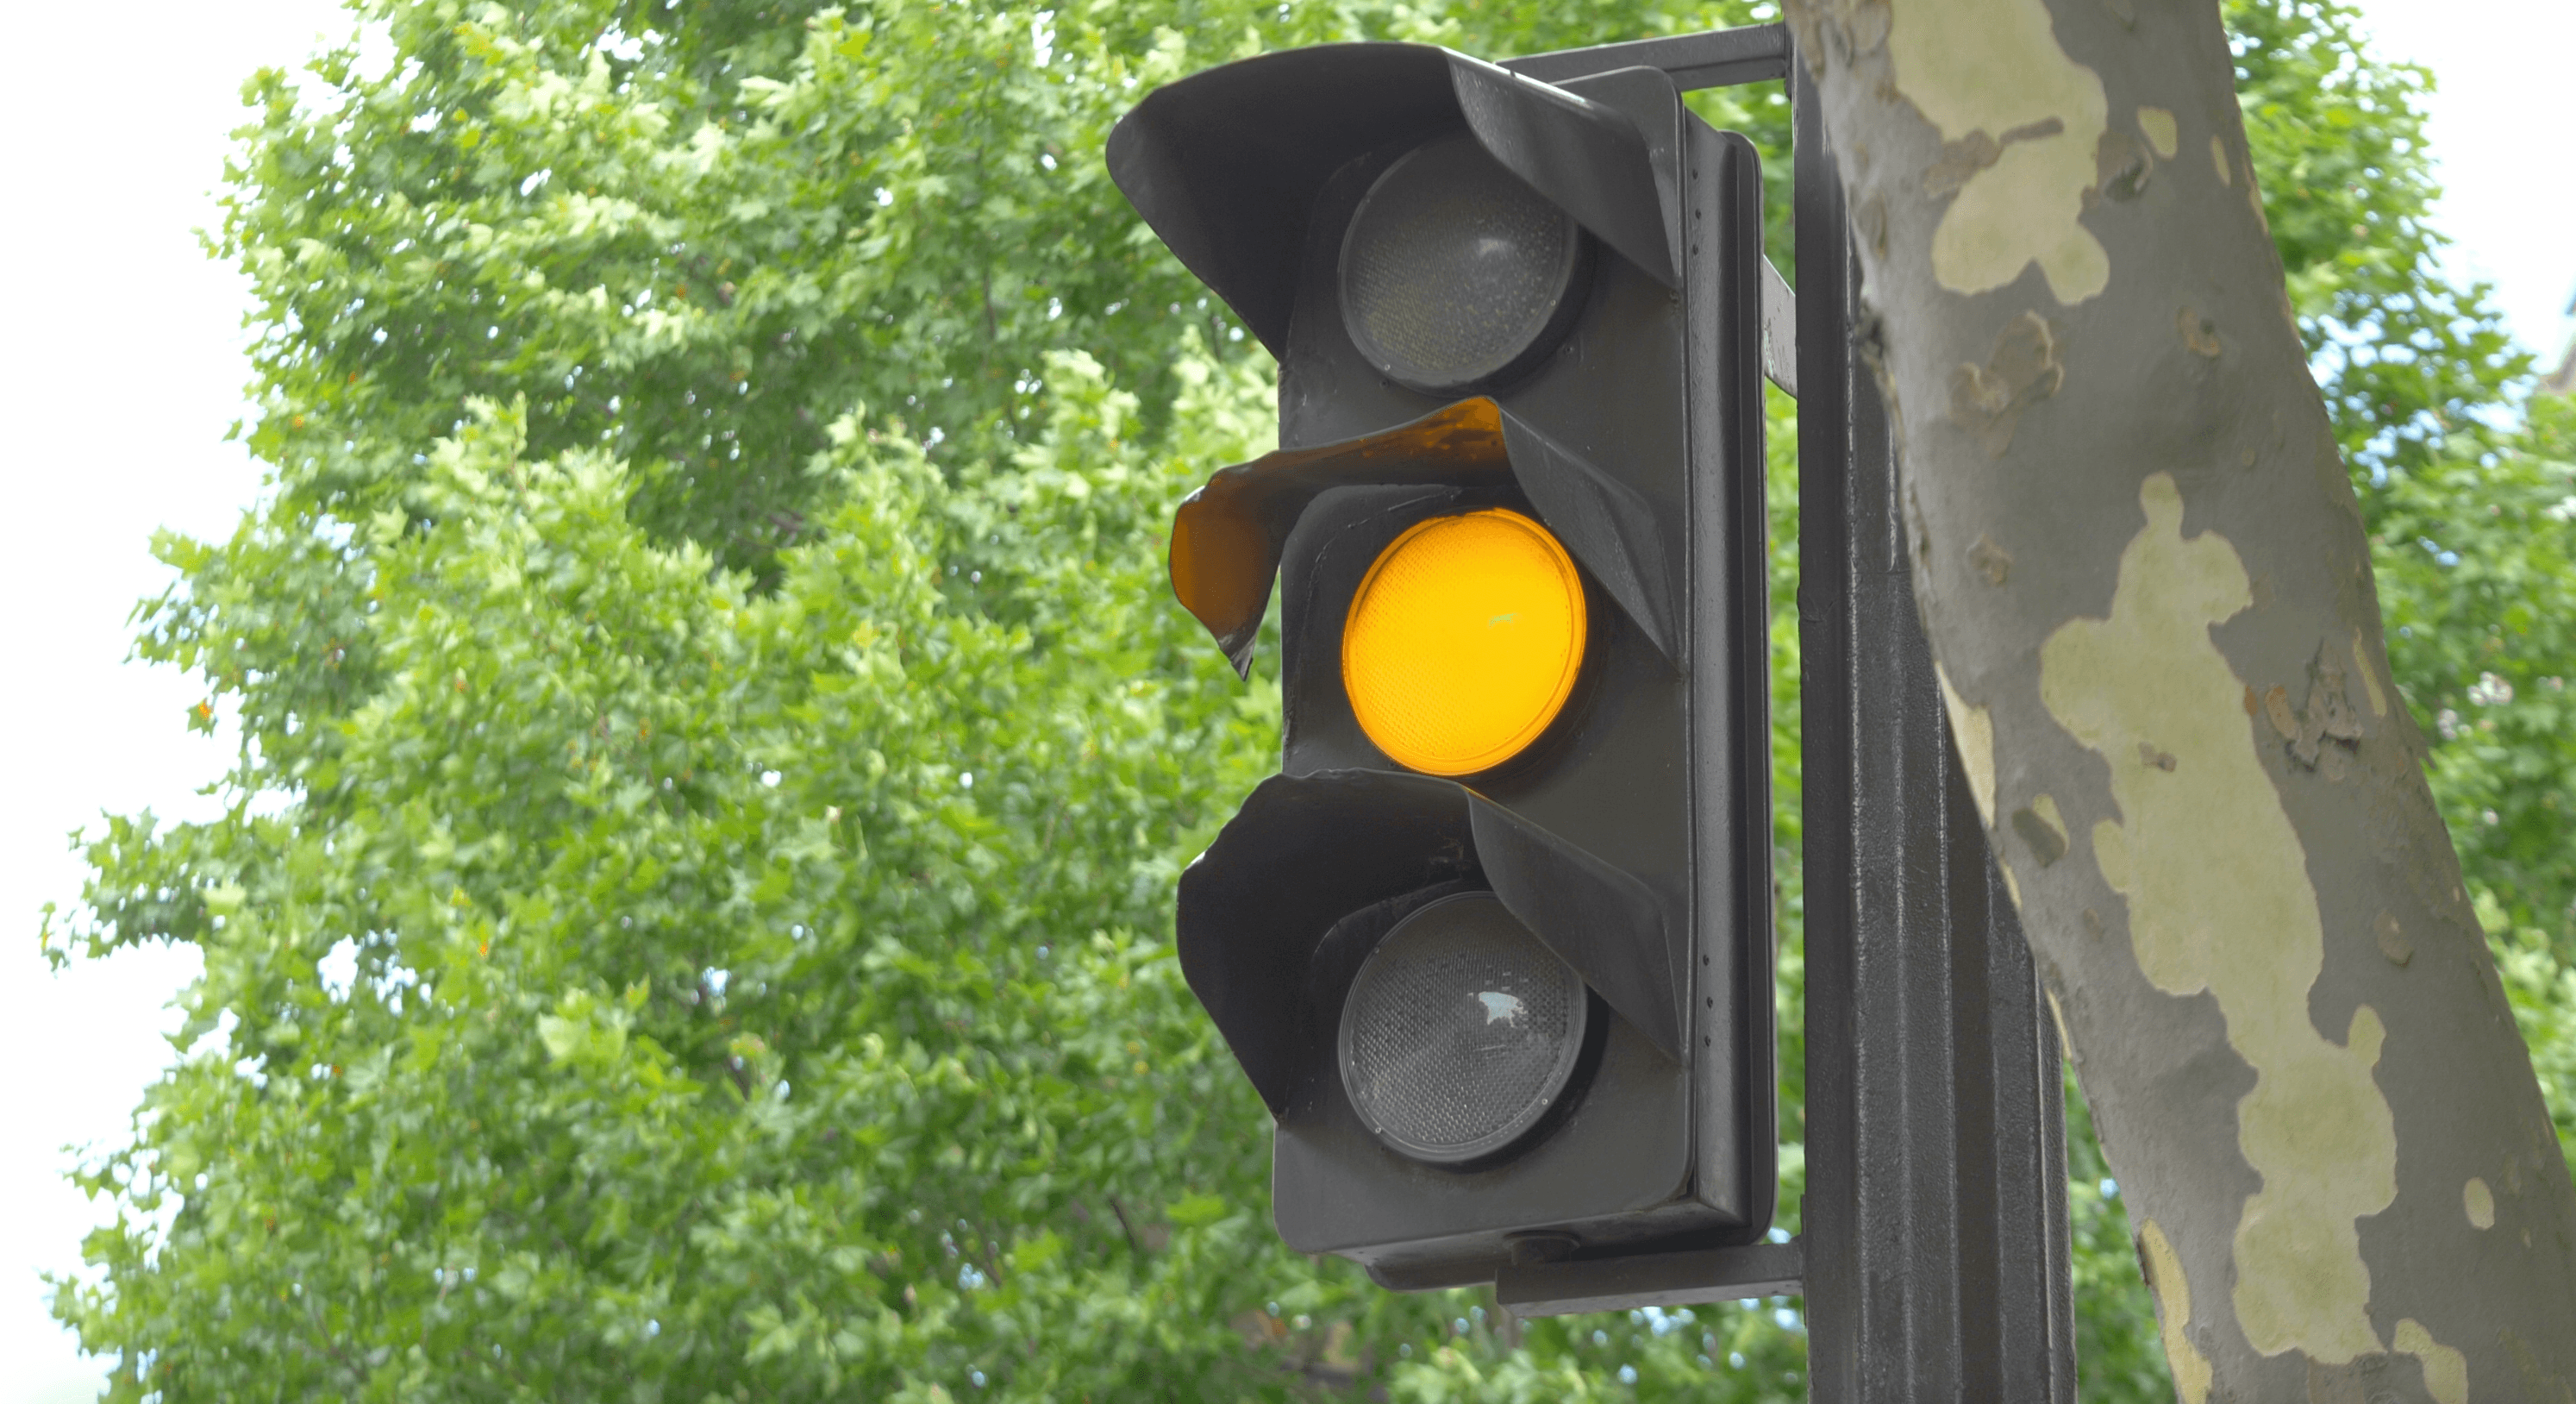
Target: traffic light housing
(1495, 945)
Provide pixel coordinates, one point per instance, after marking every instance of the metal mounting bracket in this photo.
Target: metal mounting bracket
(1779, 330)
(1653, 1279)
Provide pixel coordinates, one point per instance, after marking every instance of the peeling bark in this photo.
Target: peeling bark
(2142, 571)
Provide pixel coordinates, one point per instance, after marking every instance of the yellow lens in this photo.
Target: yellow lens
(1464, 641)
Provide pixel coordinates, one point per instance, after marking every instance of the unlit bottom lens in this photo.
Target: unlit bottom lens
(1460, 1031)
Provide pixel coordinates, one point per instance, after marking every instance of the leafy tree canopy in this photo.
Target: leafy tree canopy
(693, 920)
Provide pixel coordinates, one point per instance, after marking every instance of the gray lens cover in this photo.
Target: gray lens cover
(1454, 272)
(1460, 1031)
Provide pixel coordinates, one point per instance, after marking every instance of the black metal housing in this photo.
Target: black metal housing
(1934, 1258)
(1634, 837)
(1936, 1235)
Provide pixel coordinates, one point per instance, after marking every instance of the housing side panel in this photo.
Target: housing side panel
(1736, 1132)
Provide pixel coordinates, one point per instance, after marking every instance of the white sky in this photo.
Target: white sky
(118, 376)
(2498, 126)
(122, 370)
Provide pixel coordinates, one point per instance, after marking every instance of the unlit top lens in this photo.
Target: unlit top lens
(1454, 272)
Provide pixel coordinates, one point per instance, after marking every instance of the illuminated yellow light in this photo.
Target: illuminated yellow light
(1464, 641)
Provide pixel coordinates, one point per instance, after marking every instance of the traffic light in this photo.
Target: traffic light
(1494, 946)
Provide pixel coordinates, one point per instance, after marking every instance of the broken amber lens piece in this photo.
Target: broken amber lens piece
(1464, 641)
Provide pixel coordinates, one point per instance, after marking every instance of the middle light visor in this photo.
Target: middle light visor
(1464, 641)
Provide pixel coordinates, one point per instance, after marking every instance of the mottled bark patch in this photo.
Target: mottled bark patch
(2328, 714)
(1989, 559)
(2392, 940)
(2446, 1371)
(2026, 366)
(1837, 29)
(2121, 166)
(1991, 76)
(2369, 676)
(2111, 854)
(2215, 875)
(2537, 1382)
(2199, 332)
(1962, 159)
(2156, 124)
(2172, 1291)
(2041, 829)
(2382, 1378)
(1972, 729)
(2276, 706)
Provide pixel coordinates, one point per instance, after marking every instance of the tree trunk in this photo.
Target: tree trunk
(2145, 580)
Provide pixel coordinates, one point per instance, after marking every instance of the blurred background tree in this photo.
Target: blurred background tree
(693, 919)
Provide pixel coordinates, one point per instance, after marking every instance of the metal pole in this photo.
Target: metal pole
(1935, 1211)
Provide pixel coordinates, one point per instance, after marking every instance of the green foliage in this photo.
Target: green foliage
(2476, 565)
(2338, 148)
(2477, 576)
(693, 919)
